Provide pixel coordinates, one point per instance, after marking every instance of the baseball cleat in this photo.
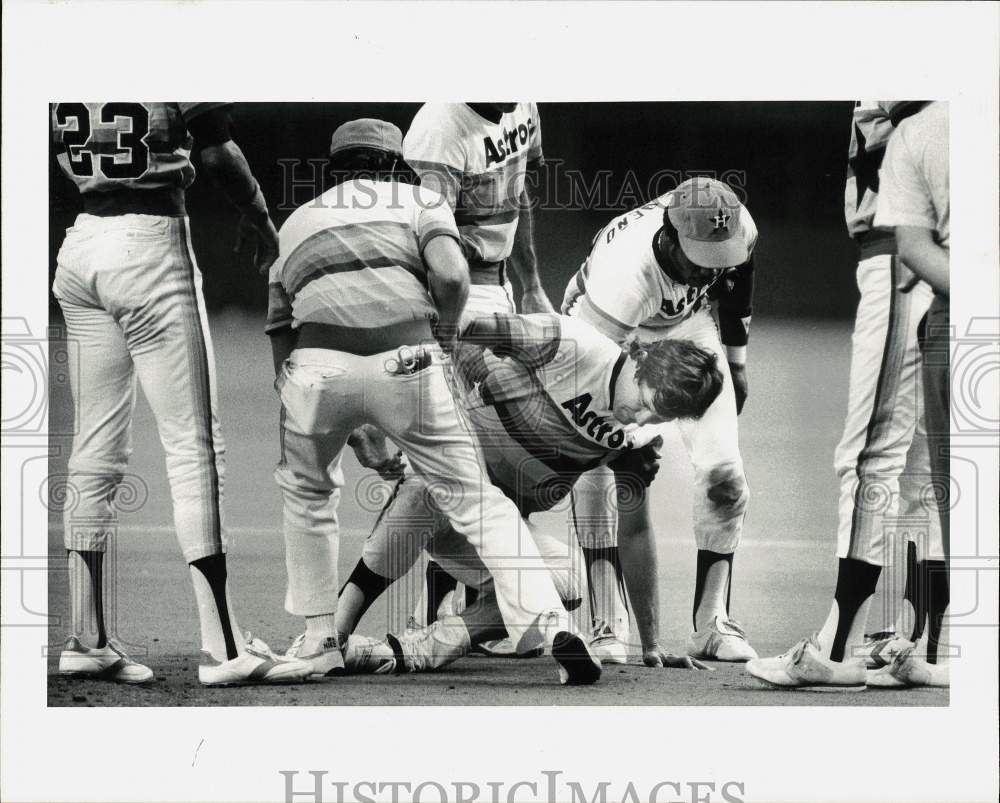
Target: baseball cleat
(432, 647)
(326, 661)
(909, 670)
(880, 652)
(605, 644)
(364, 655)
(504, 648)
(101, 663)
(805, 668)
(577, 664)
(256, 664)
(722, 640)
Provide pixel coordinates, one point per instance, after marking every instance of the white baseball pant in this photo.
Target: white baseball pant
(883, 460)
(130, 292)
(325, 395)
(720, 489)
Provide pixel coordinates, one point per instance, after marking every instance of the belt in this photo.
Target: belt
(491, 273)
(875, 243)
(164, 201)
(363, 342)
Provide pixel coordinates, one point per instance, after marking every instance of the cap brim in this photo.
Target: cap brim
(715, 254)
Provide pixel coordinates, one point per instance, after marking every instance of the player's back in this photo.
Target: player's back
(127, 157)
(352, 257)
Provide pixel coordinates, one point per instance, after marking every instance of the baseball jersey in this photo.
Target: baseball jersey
(479, 167)
(105, 147)
(353, 257)
(622, 284)
(915, 175)
(540, 400)
(870, 131)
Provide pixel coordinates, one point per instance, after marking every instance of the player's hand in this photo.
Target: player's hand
(740, 386)
(370, 447)
(259, 235)
(656, 656)
(535, 300)
(642, 463)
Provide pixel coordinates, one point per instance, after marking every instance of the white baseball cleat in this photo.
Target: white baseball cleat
(364, 655)
(327, 660)
(805, 668)
(605, 644)
(880, 652)
(109, 662)
(909, 670)
(256, 664)
(722, 640)
(431, 648)
(578, 666)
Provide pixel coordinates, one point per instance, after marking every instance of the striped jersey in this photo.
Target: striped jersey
(353, 257)
(540, 396)
(104, 147)
(479, 166)
(622, 284)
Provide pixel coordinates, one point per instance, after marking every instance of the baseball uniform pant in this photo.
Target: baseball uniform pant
(130, 292)
(883, 460)
(936, 379)
(411, 522)
(325, 394)
(720, 489)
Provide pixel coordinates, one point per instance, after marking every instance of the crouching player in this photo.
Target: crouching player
(549, 398)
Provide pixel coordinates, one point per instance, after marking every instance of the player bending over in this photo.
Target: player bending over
(365, 272)
(652, 275)
(548, 397)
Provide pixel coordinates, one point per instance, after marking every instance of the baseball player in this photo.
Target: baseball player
(130, 292)
(651, 275)
(882, 460)
(549, 397)
(365, 273)
(479, 156)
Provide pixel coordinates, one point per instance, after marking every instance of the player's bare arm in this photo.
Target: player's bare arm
(920, 253)
(448, 276)
(523, 261)
(227, 166)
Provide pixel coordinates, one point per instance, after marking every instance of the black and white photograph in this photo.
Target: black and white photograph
(552, 428)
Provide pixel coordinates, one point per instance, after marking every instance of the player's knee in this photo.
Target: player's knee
(727, 490)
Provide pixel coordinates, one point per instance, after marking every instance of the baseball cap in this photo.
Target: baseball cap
(706, 214)
(367, 133)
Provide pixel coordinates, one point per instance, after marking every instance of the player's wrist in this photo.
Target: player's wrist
(736, 356)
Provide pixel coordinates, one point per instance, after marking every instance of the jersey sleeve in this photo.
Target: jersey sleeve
(433, 218)
(436, 154)
(734, 293)
(536, 158)
(614, 301)
(904, 198)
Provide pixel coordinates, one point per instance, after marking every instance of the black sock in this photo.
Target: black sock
(914, 591)
(707, 559)
(94, 561)
(856, 581)
(371, 586)
(938, 598)
(439, 583)
(213, 567)
(609, 553)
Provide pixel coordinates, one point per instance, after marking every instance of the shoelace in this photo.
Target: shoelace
(601, 628)
(733, 625)
(296, 648)
(256, 646)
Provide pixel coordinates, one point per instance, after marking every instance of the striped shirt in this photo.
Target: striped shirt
(353, 257)
(479, 167)
(540, 396)
(105, 147)
(622, 285)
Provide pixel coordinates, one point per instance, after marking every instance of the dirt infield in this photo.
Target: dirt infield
(784, 572)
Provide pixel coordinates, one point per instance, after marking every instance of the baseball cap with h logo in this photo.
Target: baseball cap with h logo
(706, 215)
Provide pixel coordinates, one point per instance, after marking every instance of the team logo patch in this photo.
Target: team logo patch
(721, 219)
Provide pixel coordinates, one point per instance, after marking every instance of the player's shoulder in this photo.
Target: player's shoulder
(440, 118)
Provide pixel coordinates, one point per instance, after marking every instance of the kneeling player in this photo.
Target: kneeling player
(548, 397)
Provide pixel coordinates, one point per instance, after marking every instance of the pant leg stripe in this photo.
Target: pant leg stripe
(202, 388)
(883, 407)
